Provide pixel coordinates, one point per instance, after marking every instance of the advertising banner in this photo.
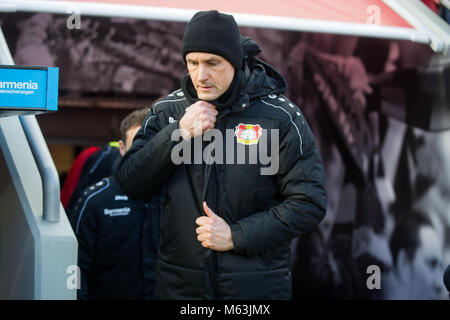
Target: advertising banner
(27, 89)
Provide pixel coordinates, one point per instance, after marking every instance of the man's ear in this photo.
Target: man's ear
(122, 149)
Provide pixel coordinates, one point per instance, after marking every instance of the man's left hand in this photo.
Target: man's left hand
(213, 232)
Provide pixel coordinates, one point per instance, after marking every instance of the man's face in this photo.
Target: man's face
(426, 266)
(125, 145)
(211, 74)
(434, 161)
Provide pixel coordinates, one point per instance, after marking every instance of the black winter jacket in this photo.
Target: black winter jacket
(264, 211)
(118, 240)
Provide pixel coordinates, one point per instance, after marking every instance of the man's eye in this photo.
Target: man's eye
(432, 263)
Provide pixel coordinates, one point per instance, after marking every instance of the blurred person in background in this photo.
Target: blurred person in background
(117, 236)
(417, 252)
(90, 166)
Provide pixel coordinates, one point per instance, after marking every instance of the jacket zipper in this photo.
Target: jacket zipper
(210, 255)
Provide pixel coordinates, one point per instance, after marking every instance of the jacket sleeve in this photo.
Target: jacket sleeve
(84, 223)
(301, 183)
(147, 164)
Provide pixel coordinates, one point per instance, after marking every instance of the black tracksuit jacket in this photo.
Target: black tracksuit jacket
(117, 243)
(264, 211)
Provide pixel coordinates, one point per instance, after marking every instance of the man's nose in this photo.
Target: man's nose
(203, 73)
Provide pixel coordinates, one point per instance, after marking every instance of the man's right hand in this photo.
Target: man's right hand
(199, 117)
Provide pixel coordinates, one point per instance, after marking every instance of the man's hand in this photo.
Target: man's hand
(213, 232)
(199, 117)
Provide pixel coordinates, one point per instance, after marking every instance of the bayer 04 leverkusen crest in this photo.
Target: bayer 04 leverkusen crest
(248, 134)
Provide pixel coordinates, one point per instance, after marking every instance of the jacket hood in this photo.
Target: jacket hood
(258, 77)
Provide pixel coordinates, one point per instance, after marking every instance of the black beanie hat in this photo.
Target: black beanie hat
(216, 33)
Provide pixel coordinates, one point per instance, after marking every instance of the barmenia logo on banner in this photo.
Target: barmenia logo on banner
(14, 87)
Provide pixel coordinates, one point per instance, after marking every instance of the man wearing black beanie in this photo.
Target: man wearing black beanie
(216, 33)
(227, 225)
